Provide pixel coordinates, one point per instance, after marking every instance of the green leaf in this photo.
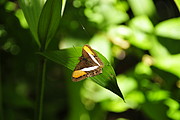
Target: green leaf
(142, 7)
(169, 28)
(32, 10)
(49, 21)
(105, 11)
(142, 23)
(63, 6)
(69, 59)
(169, 63)
(142, 30)
(158, 50)
(177, 3)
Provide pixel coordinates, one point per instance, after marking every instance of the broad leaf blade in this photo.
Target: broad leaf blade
(69, 59)
(49, 21)
(32, 10)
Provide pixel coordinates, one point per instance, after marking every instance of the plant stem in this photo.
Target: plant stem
(41, 85)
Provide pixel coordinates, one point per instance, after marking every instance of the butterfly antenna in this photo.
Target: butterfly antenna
(84, 29)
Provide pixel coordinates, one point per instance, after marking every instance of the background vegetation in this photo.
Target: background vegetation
(139, 37)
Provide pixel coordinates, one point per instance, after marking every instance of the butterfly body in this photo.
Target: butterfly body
(90, 65)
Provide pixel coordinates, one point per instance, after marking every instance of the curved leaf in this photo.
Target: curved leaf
(69, 59)
(32, 10)
(49, 21)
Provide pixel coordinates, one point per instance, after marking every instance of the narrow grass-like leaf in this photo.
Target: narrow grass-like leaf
(49, 21)
(69, 59)
(32, 10)
(63, 7)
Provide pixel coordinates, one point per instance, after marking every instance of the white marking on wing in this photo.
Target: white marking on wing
(92, 57)
(90, 68)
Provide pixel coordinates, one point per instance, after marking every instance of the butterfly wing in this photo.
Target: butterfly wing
(90, 65)
(78, 74)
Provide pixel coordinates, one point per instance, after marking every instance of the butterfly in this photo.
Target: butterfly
(90, 65)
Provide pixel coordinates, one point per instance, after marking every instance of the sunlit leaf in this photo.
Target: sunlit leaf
(169, 63)
(32, 10)
(99, 42)
(157, 95)
(118, 35)
(114, 106)
(142, 7)
(104, 12)
(69, 59)
(177, 3)
(143, 68)
(10, 6)
(169, 28)
(63, 7)
(129, 87)
(173, 111)
(158, 50)
(19, 14)
(141, 25)
(49, 21)
(163, 59)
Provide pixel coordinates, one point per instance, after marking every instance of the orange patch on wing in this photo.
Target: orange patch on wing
(88, 50)
(78, 73)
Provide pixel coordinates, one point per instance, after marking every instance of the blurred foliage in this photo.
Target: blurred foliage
(139, 37)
